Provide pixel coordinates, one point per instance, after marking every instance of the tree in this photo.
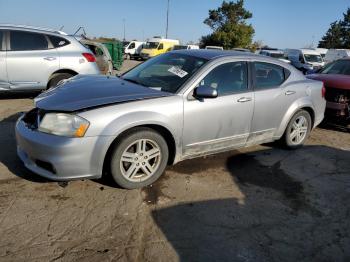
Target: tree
(338, 35)
(345, 29)
(229, 26)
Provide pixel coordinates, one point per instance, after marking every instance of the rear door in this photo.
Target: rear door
(3, 71)
(31, 59)
(273, 96)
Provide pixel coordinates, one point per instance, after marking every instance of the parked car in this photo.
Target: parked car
(336, 78)
(103, 57)
(185, 47)
(156, 46)
(179, 105)
(133, 49)
(305, 59)
(242, 50)
(278, 54)
(36, 58)
(214, 47)
(335, 54)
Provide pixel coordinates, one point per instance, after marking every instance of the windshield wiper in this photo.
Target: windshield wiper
(134, 81)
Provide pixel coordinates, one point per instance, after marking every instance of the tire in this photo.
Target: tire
(133, 165)
(56, 78)
(298, 130)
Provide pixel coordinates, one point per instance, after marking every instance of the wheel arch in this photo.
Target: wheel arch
(293, 109)
(60, 71)
(163, 131)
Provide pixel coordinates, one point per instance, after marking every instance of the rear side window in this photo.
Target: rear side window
(24, 41)
(58, 41)
(269, 75)
(1, 41)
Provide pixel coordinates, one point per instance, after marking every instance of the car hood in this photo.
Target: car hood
(81, 92)
(330, 80)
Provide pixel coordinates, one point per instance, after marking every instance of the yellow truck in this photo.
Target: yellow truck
(156, 46)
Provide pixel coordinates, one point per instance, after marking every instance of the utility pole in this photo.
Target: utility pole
(124, 29)
(167, 21)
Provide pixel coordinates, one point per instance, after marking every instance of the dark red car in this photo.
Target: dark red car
(336, 78)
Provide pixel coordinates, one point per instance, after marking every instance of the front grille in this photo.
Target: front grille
(33, 117)
(337, 95)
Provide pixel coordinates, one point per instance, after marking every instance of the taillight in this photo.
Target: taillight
(89, 57)
(323, 91)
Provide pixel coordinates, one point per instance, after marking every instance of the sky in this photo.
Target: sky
(277, 23)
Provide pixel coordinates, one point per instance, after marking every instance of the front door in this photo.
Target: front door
(30, 60)
(216, 124)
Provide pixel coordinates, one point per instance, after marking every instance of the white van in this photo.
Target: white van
(322, 51)
(185, 47)
(335, 54)
(133, 49)
(305, 59)
(278, 54)
(214, 47)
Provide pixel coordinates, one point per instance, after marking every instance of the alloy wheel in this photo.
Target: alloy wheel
(140, 160)
(299, 130)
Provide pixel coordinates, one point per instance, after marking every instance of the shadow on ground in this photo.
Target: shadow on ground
(293, 210)
(18, 95)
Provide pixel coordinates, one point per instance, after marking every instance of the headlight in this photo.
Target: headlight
(64, 125)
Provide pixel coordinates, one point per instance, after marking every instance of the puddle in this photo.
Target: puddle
(153, 193)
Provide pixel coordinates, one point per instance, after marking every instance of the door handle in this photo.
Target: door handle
(289, 92)
(244, 99)
(50, 58)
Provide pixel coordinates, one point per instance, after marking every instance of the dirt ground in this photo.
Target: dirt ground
(263, 203)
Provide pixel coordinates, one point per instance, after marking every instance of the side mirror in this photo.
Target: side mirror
(205, 92)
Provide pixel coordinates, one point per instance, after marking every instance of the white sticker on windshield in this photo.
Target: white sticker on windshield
(177, 71)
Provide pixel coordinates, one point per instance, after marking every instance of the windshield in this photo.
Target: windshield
(277, 55)
(340, 67)
(151, 45)
(166, 72)
(313, 58)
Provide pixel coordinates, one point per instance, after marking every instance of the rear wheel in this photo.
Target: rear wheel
(56, 78)
(139, 158)
(297, 130)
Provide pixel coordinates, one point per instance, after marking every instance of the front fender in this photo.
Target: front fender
(135, 119)
(297, 105)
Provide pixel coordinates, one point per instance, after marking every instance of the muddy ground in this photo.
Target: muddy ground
(263, 203)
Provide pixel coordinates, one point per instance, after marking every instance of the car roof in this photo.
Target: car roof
(31, 28)
(211, 54)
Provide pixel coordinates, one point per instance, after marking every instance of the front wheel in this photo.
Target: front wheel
(298, 130)
(139, 158)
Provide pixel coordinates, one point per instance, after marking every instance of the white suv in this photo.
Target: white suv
(36, 58)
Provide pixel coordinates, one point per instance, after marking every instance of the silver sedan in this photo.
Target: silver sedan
(176, 106)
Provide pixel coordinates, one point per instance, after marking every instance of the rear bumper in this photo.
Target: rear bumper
(60, 158)
(338, 111)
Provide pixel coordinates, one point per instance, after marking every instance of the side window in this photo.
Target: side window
(131, 46)
(228, 78)
(1, 42)
(58, 41)
(268, 75)
(160, 47)
(23, 41)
